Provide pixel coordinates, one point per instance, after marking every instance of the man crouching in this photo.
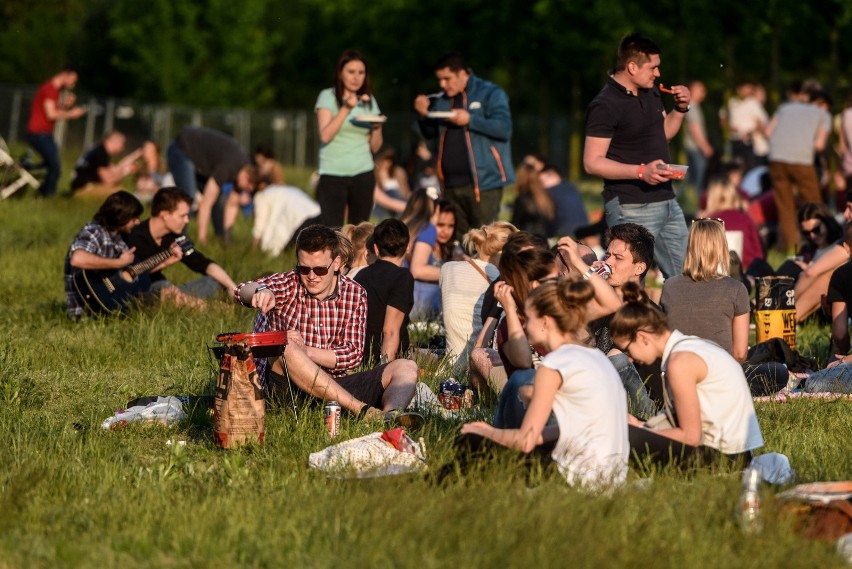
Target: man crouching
(325, 316)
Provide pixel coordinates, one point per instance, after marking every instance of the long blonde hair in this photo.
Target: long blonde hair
(707, 256)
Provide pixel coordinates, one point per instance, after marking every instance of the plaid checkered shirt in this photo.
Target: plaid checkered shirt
(95, 239)
(337, 323)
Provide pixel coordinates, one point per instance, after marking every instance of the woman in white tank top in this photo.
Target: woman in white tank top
(710, 398)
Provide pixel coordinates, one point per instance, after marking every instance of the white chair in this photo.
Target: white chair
(13, 176)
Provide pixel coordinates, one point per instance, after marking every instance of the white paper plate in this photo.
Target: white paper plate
(371, 118)
(441, 114)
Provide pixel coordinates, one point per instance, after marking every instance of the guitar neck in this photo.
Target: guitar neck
(144, 266)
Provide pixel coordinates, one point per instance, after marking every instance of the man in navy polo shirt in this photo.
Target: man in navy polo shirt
(627, 134)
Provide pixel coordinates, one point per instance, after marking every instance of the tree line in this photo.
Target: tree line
(551, 56)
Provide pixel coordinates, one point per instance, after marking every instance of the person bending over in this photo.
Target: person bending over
(325, 316)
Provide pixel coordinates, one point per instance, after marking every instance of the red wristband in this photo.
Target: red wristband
(641, 170)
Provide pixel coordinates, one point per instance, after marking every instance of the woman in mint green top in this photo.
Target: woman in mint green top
(349, 135)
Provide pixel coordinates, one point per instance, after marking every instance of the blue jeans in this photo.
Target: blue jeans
(837, 379)
(204, 287)
(510, 409)
(665, 222)
(697, 163)
(427, 301)
(182, 169)
(46, 146)
(639, 403)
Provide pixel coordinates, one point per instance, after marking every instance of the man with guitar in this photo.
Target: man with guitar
(164, 230)
(99, 246)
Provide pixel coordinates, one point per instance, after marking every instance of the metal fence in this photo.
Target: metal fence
(291, 133)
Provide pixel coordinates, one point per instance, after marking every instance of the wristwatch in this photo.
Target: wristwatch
(686, 110)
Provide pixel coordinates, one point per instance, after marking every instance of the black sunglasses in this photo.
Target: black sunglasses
(318, 271)
(816, 230)
(717, 219)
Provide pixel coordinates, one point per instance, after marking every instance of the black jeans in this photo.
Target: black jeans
(646, 445)
(336, 193)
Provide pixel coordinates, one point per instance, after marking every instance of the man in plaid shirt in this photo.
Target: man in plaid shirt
(99, 246)
(325, 316)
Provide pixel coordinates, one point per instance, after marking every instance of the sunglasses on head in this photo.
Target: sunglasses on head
(716, 219)
(318, 271)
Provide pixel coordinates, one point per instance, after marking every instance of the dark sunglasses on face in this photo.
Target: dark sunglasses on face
(318, 271)
(816, 230)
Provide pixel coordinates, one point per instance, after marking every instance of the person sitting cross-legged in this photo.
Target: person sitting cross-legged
(325, 316)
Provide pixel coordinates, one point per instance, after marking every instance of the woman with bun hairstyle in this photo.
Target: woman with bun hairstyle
(710, 406)
(346, 168)
(577, 384)
(463, 285)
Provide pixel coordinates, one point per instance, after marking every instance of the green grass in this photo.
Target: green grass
(73, 495)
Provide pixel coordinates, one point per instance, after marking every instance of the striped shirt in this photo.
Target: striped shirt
(337, 323)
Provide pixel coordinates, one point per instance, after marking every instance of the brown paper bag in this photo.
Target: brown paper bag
(240, 408)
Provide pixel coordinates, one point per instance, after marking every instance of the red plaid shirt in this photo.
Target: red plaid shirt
(337, 323)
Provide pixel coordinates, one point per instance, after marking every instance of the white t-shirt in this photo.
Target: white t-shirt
(278, 212)
(462, 292)
(744, 116)
(728, 420)
(591, 410)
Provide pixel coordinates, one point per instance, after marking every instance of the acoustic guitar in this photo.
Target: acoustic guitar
(110, 291)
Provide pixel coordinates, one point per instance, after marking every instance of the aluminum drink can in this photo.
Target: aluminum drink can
(448, 394)
(331, 414)
(604, 271)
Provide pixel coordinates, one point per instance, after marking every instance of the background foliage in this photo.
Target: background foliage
(550, 55)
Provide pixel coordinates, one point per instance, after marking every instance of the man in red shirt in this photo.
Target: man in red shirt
(47, 108)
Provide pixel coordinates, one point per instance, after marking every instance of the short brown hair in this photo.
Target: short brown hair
(167, 199)
(318, 237)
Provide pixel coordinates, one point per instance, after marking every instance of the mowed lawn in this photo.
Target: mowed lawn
(74, 495)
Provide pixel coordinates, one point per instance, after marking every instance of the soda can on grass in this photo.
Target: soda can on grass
(331, 414)
(449, 394)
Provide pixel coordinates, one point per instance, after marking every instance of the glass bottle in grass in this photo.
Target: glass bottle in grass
(750, 517)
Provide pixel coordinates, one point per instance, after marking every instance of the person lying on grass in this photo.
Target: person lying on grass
(325, 316)
(577, 410)
(710, 400)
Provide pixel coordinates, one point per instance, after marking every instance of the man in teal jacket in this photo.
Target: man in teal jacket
(473, 124)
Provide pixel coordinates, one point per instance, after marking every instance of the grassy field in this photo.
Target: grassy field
(73, 495)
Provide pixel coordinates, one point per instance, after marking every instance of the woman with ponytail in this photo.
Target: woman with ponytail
(709, 409)
(577, 406)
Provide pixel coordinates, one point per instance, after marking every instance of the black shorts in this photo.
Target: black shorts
(365, 386)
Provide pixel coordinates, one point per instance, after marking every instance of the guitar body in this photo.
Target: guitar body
(111, 291)
(108, 292)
